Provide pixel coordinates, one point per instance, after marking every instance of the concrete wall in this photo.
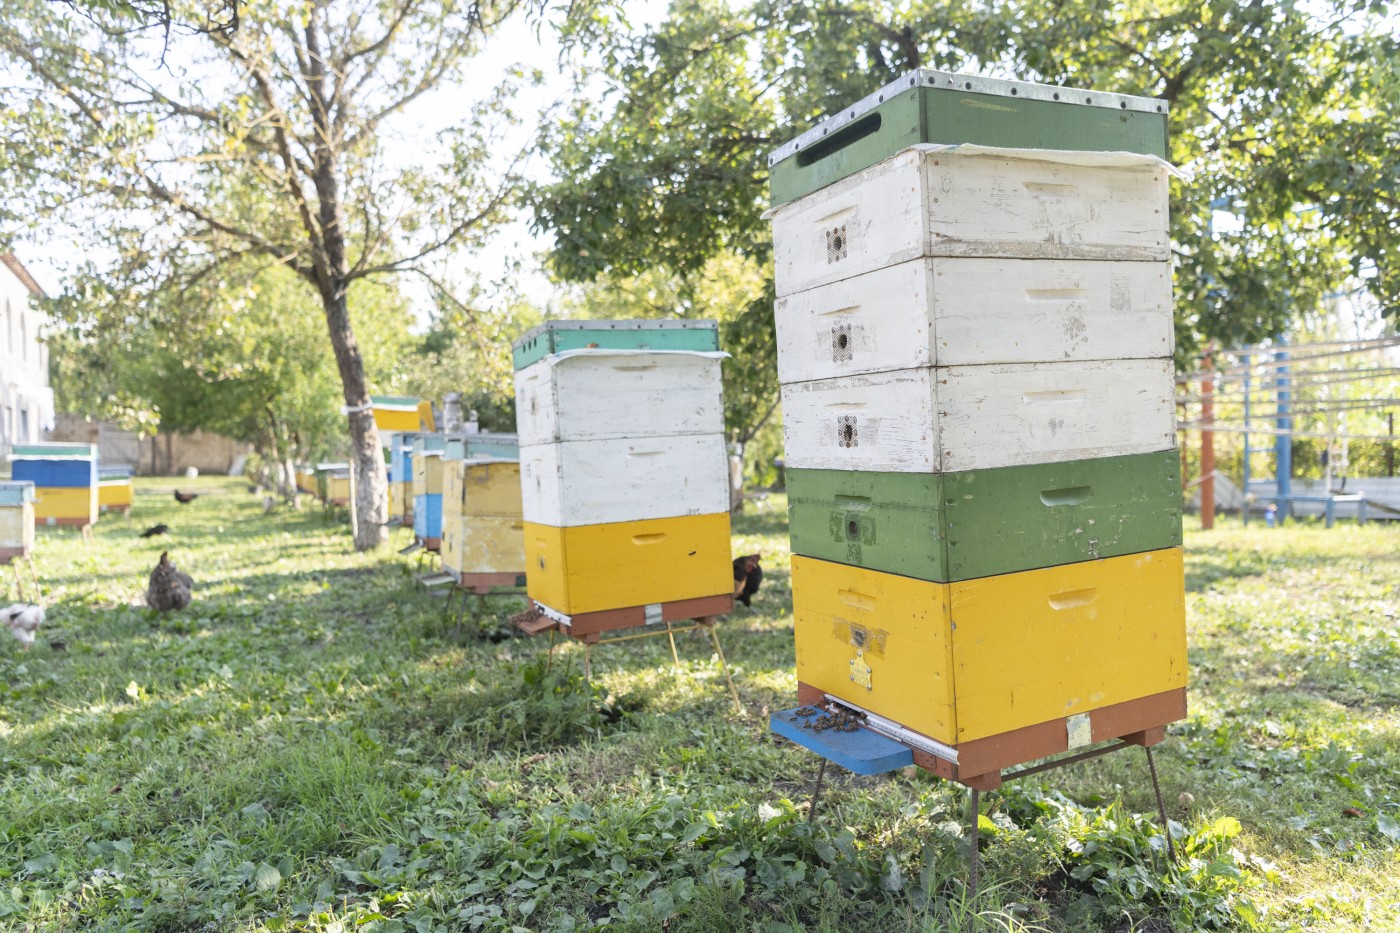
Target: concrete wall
(162, 455)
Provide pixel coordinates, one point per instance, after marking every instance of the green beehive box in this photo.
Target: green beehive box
(946, 527)
(928, 106)
(559, 336)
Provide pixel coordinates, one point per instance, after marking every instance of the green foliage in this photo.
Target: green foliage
(1281, 109)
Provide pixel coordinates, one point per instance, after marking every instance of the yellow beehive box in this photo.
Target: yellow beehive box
(115, 495)
(594, 568)
(481, 487)
(396, 413)
(338, 489)
(16, 521)
(980, 658)
(306, 482)
(481, 544)
(427, 473)
(65, 506)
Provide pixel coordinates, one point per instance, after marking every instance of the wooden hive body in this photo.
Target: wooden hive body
(65, 481)
(623, 471)
(16, 520)
(975, 356)
(482, 527)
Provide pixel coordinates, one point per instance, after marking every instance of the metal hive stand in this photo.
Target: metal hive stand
(826, 730)
(651, 621)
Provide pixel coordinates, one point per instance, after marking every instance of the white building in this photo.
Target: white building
(26, 401)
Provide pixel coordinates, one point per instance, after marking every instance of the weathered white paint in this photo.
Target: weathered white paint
(977, 417)
(968, 312)
(946, 202)
(588, 396)
(622, 480)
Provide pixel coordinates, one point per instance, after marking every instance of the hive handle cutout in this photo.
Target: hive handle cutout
(840, 140)
(653, 538)
(1073, 495)
(1071, 599)
(1057, 395)
(857, 600)
(1056, 294)
(1047, 190)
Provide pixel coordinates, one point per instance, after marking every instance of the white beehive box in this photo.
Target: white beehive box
(967, 312)
(595, 394)
(943, 419)
(974, 201)
(624, 479)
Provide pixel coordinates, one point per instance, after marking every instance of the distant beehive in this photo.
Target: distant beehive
(16, 520)
(396, 413)
(427, 489)
(115, 491)
(65, 481)
(333, 483)
(306, 481)
(624, 472)
(974, 346)
(401, 476)
(483, 539)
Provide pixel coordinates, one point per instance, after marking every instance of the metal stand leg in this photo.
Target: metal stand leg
(587, 663)
(724, 666)
(670, 633)
(549, 656)
(1161, 807)
(976, 839)
(816, 792)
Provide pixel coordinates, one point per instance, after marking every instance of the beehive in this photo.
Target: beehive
(400, 445)
(333, 483)
(483, 542)
(623, 471)
(115, 490)
(396, 413)
(974, 346)
(16, 520)
(65, 481)
(427, 489)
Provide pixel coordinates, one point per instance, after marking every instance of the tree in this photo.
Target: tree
(246, 360)
(1282, 109)
(266, 144)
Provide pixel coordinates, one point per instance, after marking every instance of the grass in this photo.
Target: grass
(310, 746)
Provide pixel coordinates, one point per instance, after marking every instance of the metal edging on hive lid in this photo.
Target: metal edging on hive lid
(975, 84)
(585, 324)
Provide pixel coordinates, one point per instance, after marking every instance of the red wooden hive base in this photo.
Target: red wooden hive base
(432, 544)
(8, 554)
(483, 583)
(981, 761)
(589, 626)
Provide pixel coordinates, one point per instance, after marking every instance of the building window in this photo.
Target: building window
(24, 437)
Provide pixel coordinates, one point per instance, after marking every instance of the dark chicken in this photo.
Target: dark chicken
(169, 588)
(747, 576)
(185, 498)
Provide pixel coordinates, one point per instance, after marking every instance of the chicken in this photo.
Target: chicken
(24, 620)
(155, 530)
(169, 588)
(185, 498)
(747, 576)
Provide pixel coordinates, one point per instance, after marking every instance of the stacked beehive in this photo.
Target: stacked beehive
(483, 539)
(399, 413)
(16, 520)
(623, 472)
(974, 345)
(64, 478)
(427, 489)
(333, 483)
(401, 476)
(115, 490)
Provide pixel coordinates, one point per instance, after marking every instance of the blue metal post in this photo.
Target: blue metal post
(1283, 443)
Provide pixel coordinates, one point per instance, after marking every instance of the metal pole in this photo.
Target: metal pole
(1161, 807)
(1390, 448)
(1244, 510)
(976, 834)
(816, 792)
(1207, 444)
(1283, 444)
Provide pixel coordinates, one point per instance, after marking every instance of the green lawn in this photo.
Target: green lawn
(311, 746)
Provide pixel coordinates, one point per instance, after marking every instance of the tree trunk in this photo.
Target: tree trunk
(371, 481)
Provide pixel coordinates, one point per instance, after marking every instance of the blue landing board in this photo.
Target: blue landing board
(859, 750)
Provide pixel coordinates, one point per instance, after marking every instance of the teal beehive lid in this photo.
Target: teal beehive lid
(12, 493)
(53, 452)
(927, 106)
(560, 336)
(429, 445)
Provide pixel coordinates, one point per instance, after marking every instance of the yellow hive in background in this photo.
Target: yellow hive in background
(115, 495)
(978, 658)
(65, 506)
(398, 413)
(594, 568)
(482, 531)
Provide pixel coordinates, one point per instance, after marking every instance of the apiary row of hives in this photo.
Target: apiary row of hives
(623, 472)
(65, 478)
(483, 537)
(974, 342)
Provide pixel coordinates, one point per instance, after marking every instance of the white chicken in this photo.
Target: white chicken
(24, 620)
